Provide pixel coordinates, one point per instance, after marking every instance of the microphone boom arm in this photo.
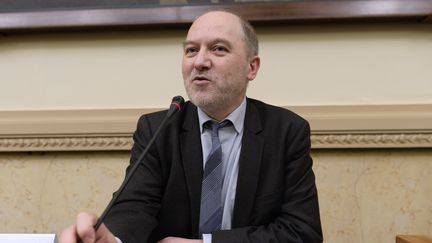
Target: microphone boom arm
(176, 105)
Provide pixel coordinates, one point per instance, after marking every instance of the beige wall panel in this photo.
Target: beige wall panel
(301, 65)
(365, 195)
(343, 65)
(98, 70)
(43, 192)
(374, 195)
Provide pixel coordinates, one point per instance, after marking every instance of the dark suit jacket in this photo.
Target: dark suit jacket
(276, 198)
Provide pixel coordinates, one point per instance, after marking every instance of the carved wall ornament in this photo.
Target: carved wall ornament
(355, 126)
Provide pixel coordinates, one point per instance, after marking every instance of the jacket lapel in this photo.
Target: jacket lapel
(249, 166)
(191, 154)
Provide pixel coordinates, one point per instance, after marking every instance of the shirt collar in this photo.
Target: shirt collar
(236, 117)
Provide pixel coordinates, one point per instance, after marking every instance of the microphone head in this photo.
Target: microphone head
(177, 104)
(178, 101)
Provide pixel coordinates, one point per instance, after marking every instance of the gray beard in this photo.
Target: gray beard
(215, 102)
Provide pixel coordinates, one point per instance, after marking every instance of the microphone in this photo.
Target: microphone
(177, 104)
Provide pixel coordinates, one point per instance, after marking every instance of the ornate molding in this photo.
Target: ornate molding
(400, 140)
(385, 126)
(124, 143)
(66, 144)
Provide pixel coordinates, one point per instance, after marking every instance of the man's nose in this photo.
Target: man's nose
(202, 60)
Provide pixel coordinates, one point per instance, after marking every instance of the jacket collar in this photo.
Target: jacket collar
(249, 166)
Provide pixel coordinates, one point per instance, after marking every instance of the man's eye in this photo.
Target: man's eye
(190, 50)
(220, 49)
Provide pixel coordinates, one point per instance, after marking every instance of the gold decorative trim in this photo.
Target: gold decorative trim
(400, 140)
(375, 126)
(123, 143)
(65, 144)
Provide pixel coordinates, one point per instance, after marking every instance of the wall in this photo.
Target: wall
(367, 194)
(301, 65)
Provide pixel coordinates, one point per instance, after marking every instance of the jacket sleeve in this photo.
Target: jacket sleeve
(133, 216)
(298, 220)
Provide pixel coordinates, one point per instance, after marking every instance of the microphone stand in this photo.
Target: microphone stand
(176, 105)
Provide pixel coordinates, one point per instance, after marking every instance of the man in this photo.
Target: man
(266, 192)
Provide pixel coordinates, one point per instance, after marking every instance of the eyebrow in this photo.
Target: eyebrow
(212, 42)
(185, 43)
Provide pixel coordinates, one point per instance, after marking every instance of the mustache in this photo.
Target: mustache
(201, 75)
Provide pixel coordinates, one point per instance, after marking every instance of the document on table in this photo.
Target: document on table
(28, 238)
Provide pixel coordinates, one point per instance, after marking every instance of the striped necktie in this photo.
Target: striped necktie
(211, 191)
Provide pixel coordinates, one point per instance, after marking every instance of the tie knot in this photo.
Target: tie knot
(215, 126)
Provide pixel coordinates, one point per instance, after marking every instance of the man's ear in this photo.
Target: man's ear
(254, 65)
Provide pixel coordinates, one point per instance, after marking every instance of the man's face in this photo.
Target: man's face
(215, 66)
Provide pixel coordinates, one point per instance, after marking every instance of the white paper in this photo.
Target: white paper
(27, 238)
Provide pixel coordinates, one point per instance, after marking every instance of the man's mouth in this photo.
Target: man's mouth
(201, 80)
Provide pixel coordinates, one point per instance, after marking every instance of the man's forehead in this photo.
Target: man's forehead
(212, 33)
(215, 25)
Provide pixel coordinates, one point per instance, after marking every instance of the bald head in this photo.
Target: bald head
(246, 30)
